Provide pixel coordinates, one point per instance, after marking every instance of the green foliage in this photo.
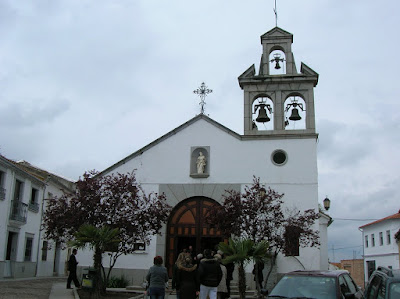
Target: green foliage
(117, 282)
(97, 238)
(242, 251)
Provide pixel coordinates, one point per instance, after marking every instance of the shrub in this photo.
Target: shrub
(117, 282)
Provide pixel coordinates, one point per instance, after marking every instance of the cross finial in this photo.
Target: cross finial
(202, 91)
(276, 15)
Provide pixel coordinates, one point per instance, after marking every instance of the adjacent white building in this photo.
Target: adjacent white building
(23, 251)
(380, 246)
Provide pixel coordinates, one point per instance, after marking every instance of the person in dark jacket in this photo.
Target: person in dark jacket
(157, 278)
(72, 263)
(230, 268)
(210, 274)
(175, 270)
(187, 279)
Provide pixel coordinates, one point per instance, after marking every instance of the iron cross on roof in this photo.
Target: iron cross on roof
(202, 91)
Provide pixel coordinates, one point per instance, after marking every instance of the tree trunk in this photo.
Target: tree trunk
(272, 264)
(242, 281)
(97, 262)
(258, 287)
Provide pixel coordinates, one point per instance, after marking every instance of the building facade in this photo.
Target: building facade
(23, 251)
(380, 246)
(194, 164)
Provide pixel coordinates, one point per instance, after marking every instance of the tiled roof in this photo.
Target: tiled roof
(394, 216)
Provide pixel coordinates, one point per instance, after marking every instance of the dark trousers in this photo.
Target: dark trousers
(157, 293)
(72, 277)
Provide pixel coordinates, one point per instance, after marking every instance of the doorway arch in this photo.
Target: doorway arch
(187, 226)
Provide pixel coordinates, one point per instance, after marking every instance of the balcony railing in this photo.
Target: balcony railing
(2, 193)
(19, 211)
(34, 207)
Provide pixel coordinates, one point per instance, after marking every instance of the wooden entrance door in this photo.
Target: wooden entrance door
(187, 226)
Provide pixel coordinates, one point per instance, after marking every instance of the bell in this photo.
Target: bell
(262, 115)
(277, 66)
(295, 114)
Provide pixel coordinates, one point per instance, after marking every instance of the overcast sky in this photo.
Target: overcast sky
(84, 84)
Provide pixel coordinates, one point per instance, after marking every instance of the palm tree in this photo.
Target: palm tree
(99, 240)
(241, 252)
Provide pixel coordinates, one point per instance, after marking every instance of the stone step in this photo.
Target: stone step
(135, 288)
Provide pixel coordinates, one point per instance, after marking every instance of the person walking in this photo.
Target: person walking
(72, 263)
(210, 275)
(157, 277)
(187, 279)
(222, 290)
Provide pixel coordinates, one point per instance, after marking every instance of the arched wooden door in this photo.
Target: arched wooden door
(187, 226)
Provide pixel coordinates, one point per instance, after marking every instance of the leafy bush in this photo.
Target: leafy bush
(117, 282)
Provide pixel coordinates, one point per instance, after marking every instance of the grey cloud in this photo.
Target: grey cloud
(21, 114)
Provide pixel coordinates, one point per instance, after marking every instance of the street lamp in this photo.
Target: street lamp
(327, 203)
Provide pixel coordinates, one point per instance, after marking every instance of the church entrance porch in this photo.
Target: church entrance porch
(187, 227)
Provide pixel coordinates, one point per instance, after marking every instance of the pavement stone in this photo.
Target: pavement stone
(60, 291)
(29, 288)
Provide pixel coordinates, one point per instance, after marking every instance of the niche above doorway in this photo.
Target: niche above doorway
(200, 161)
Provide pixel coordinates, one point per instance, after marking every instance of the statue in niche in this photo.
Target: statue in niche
(201, 163)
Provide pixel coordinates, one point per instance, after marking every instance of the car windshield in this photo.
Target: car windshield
(294, 286)
(394, 290)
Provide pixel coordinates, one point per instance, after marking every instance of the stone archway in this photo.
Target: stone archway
(187, 226)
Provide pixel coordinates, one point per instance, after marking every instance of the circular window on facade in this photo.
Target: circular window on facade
(279, 157)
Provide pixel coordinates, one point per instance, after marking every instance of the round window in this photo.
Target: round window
(279, 157)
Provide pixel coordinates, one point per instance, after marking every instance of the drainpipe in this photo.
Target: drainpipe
(40, 225)
(362, 242)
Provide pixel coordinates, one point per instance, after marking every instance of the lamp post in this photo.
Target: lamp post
(327, 203)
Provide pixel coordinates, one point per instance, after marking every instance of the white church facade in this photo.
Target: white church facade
(272, 148)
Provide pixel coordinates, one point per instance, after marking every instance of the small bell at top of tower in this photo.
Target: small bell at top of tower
(277, 58)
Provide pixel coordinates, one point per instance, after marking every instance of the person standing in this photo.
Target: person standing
(175, 270)
(187, 279)
(230, 268)
(222, 288)
(72, 263)
(157, 278)
(210, 275)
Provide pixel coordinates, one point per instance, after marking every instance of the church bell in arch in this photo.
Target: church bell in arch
(295, 114)
(262, 112)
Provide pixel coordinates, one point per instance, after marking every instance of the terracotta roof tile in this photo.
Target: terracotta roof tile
(394, 216)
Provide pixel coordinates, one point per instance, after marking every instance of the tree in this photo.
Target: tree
(257, 214)
(98, 239)
(242, 251)
(114, 201)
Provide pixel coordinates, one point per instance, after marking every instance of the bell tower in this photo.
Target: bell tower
(278, 100)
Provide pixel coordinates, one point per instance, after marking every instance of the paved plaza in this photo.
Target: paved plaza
(38, 288)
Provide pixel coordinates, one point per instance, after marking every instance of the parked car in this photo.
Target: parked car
(336, 284)
(384, 283)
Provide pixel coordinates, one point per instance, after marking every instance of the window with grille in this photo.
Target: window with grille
(44, 250)
(28, 249)
(388, 240)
